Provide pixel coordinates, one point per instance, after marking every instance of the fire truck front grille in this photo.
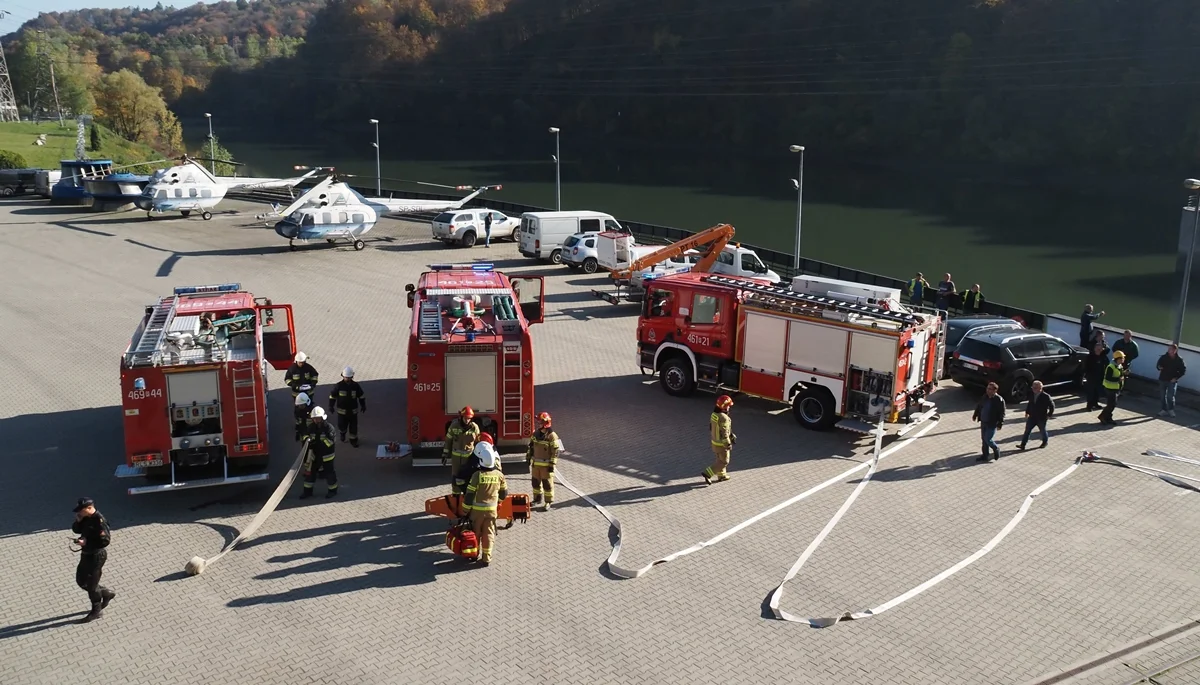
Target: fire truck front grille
(470, 348)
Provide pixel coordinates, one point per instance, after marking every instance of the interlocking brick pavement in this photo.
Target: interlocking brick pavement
(361, 589)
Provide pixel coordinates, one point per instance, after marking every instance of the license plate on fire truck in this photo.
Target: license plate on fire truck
(149, 463)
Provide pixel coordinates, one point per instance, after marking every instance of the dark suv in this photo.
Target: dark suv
(958, 327)
(1014, 359)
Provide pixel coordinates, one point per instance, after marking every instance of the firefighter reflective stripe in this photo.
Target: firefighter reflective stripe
(544, 447)
(485, 490)
(721, 426)
(460, 439)
(328, 457)
(1112, 377)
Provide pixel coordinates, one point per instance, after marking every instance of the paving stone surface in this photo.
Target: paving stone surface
(362, 590)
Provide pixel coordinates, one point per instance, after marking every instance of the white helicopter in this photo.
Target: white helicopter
(188, 187)
(332, 211)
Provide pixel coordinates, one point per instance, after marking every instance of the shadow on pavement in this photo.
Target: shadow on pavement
(20, 629)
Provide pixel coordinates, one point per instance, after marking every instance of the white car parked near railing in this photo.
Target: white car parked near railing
(466, 226)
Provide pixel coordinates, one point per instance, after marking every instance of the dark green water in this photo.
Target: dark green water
(1044, 248)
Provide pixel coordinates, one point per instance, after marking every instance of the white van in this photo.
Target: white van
(543, 233)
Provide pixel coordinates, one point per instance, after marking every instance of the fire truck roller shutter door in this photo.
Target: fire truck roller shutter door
(764, 346)
(817, 356)
(196, 386)
(471, 381)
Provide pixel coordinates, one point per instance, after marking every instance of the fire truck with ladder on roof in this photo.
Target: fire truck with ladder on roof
(838, 352)
(469, 345)
(194, 387)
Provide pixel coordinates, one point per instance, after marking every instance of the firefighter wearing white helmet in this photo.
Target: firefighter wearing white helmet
(304, 407)
(320, 458)
(348, 401)
(301, 374)
(486, 489)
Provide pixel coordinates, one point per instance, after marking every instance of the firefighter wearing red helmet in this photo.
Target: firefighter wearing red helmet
(723, 439)
(542, 457)
(460, 440)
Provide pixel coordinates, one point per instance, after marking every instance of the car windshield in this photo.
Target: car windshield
(444, 217)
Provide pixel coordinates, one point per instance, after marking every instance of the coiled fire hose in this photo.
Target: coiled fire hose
(197, 565)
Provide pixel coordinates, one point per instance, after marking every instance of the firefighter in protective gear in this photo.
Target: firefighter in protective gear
(542, 457)
(348, 400)
(304, 407)
(486, 489)
(464, 474)
(460, 441)
(320, 455)
(301, 374)
(722, 437)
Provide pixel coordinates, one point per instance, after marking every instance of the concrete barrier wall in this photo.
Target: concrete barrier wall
(1149, 349)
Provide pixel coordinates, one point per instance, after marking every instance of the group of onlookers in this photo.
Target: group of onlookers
(1123, 352)
(946, 295)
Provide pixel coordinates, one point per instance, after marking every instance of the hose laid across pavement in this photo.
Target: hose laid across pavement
(197, 565)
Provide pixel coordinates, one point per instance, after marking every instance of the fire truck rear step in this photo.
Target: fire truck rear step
(202, 483)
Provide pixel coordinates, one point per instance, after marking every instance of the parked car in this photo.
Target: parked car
(958, 327)
(466, 226)
(17, 181)
(579, 252)
(1014, 359)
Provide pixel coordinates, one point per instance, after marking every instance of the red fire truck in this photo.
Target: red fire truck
(837, 352)
(469, 345)
(194, 384)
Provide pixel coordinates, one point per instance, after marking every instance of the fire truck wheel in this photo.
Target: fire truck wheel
(675, 375)
(589, 265)
(556, 257)
(813, 407)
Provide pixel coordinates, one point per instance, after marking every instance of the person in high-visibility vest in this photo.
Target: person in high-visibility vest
(916, 290)
(722, 437)
(485, 491)
(972, 300)
(1114, 378)
(543, 457)
(460, 440)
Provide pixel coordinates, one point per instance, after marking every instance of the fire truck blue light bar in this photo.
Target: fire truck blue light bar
(195, 289)
(472, 267)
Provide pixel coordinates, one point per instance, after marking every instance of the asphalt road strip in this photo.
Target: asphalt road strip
(626, 574)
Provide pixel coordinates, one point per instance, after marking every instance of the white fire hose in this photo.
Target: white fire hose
(197, 565)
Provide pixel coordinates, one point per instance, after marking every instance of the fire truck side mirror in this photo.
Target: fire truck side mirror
(409, 288)
(411, 297)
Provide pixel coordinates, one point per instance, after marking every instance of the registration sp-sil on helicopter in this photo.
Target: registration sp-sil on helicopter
(188, 187)
(332, 211)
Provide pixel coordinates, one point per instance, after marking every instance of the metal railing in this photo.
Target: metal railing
(781, 262)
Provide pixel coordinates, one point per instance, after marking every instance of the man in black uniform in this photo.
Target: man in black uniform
(301, 374)
(94, 535)
(347, 399)
(320, 457)
(304, 407)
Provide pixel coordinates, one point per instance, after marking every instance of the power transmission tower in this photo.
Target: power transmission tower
(44, 84)
(8, 100)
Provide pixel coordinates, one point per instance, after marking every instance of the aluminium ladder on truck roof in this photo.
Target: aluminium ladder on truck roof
(430, 325)
(782, 293)
(145, 350)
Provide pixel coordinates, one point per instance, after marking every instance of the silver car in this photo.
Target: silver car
(466, 226)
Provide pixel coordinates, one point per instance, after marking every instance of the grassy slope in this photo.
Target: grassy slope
(60, 144)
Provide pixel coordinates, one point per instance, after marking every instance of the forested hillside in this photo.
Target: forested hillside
(1044, 82)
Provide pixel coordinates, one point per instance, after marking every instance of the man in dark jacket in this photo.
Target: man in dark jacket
(1170, 369)
(1085, 326)
(990, 415)
(1093, 374)
(94, 536)
(1040, 408)
(1127, 346)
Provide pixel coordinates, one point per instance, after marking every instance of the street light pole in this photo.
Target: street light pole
(1194, 186)
(557, 172)
(798, 182)
(212, 146)
(378, 173)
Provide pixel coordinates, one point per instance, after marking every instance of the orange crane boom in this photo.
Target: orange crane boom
(716, 238)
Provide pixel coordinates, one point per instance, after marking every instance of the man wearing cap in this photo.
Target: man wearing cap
(461, 437)
(1114, 378)
(348, 399)
(301, 374)
(94, 536)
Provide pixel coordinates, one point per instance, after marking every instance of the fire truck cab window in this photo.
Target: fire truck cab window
(706, 309)
(660, 303)
(725, 258)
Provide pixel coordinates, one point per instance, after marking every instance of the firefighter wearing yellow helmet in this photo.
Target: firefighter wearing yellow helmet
(722, 438)
(542, 457)
(461, 437)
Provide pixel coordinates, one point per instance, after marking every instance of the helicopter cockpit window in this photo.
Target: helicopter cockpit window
(162, 194)
(308, 220)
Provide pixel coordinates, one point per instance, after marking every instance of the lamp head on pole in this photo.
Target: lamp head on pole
(797, 148)
(554, 158)
(795, 184)
(1192, 184)
(207, 115)
(375, 145)
(375, 121)
(554, 129)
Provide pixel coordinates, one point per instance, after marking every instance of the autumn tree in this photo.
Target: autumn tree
(136, 111)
